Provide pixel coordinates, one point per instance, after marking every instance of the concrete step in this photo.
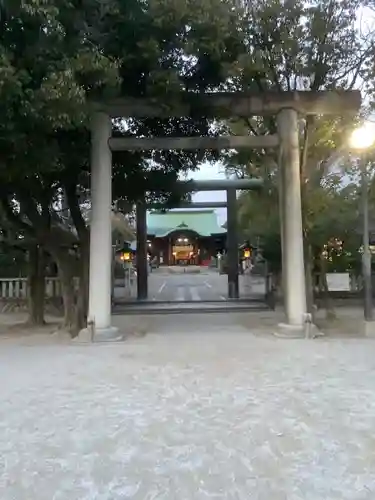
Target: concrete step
(189, 307)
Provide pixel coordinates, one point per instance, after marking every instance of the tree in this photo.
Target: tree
(57, 57)
(298, 45)
(48, 66)
(335, 237)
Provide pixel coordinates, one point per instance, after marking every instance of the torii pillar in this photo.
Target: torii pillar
(232, 244)
(142, 264)
(99, 327)
(293, 267)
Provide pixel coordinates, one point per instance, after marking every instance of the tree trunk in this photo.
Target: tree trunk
(66, 265)
(36, 286)
(69, 300)
(75, 300)
(82, 259)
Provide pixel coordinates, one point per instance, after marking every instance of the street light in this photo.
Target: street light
(362, 139)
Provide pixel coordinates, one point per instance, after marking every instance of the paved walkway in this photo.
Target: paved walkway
(188, 415)
(208, 285)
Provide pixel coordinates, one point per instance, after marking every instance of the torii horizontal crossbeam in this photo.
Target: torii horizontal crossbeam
(236, 104)
(221, 184)
(198, 143)
(186, 204)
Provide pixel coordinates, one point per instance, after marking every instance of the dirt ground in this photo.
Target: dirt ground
(198, 407)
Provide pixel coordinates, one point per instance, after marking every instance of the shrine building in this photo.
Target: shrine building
(185, 237)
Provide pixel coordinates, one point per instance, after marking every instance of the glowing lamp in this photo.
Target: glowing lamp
(125, 256)
(363, 137)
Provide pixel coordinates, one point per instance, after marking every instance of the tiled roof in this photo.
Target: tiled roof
(202, 222)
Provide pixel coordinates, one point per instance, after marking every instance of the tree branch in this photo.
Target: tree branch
(75, 211)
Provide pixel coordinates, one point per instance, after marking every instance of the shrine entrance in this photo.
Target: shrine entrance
(288, 107)
(184, 248)
(193, 259)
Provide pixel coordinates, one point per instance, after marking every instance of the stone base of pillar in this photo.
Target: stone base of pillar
(303, 331)
(369, 329)
(110, 334)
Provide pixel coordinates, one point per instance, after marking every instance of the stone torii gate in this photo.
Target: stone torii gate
(287, 106)
(227, 185)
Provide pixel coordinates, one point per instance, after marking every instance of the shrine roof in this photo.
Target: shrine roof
(202, 222)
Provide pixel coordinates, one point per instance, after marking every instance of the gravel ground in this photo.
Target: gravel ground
(224, 415)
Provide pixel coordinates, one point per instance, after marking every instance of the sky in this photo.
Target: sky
(211, 171)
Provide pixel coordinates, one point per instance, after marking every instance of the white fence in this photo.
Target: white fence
(16, 288)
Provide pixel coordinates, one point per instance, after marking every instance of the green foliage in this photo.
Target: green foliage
(259, 223)
(336, 219)
(12, 263)
(314, 45)
(58, 56)
(164, 48)
(299, 45)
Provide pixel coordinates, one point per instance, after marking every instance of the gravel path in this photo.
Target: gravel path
(188, 416)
